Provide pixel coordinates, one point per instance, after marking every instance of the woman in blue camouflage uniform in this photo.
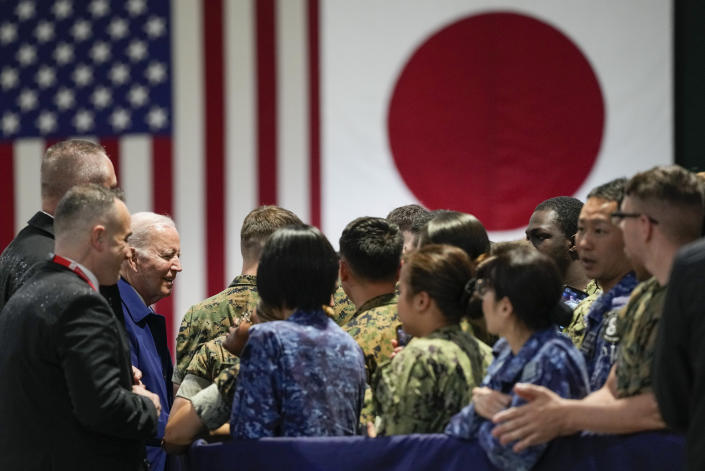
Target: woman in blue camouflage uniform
(432, 377)
(521, 293)
(302, 376)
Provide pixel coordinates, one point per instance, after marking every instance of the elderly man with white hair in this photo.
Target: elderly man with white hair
(147, 276)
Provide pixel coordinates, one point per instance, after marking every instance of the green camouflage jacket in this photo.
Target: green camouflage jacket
(212, 318)
(428, 382)
(638, 327)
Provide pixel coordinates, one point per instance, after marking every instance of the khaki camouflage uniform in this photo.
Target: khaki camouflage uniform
(577, 328)
(373, 327)
(343, 308)
(429, 381)
(212, 318)
(638, 327)
(211, 359)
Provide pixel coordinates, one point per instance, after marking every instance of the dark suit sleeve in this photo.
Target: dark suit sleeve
(680, 348)
(92, 363)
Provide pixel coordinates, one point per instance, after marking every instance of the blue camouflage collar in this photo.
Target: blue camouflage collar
(510, 366)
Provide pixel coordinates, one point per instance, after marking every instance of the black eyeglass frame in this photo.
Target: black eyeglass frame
(617, 216)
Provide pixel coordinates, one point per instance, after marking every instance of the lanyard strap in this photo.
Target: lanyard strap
(74, 268)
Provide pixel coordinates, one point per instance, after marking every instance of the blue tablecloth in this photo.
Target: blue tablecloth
(643, 451)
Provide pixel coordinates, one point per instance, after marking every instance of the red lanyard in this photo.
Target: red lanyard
(73, 266)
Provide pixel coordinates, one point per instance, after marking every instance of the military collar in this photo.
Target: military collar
(377, 301)
(243, 280)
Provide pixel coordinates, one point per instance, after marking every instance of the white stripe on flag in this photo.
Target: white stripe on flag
(136, 172)
(27, 163)
(241, 149)
(188, 149)
(293, 187)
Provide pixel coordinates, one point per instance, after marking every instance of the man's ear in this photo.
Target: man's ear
(98, 237)
(343, 270)
(572, 248)
(132, 258)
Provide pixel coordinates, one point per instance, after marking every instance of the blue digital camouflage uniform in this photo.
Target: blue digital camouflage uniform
(601, 338)
(638, 326)
(428, 381)
(212, 318)
(547, 359)
(300, 377)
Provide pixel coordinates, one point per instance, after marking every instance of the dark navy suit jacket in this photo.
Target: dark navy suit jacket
(146, 331)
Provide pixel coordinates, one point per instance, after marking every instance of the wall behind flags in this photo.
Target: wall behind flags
(333, 109)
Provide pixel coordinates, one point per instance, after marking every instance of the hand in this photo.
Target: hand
(396, 348)
(539, 421)
(237, 338)
(142, 391)
(488, 401)
(136, 376)
(371, 430)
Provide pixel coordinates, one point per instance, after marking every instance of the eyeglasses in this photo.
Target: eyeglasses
(617, 217)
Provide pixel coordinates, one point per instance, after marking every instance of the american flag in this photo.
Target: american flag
(184, 96)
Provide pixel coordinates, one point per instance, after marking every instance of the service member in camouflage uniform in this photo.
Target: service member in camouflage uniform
(214, 316)
(433, 376)
(661, 211)
(521, 300)
(343, 308)
(370, 253)
(601, 250)
(551, 230)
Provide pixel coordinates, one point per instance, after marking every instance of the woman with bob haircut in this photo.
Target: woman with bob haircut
(521, 298)
(302, 376)
(431, 378)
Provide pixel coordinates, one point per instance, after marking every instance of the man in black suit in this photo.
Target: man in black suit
(678, 372)
(67, 398)
(68, 163)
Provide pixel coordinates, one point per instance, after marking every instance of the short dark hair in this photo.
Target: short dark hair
(298, 269)
(457, 229)
(259, 224)
(372, 247)
(530, 280)
(409, 217)
(611, 191)
(567, 211)
(442, 271)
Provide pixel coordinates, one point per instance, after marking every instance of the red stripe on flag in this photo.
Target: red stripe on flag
(214, 144)
(7, 194)
(314, 113)
(162, 198)
(266, 102)
(112, 149)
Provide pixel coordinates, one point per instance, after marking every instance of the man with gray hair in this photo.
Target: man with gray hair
(68, 397)
(146, 277)
(65, 164)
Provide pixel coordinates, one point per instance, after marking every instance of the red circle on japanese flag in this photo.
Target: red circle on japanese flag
(493, 114)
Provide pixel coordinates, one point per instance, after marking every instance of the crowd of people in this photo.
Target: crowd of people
(419, 324)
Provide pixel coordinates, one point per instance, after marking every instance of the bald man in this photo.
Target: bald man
(65, 164)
